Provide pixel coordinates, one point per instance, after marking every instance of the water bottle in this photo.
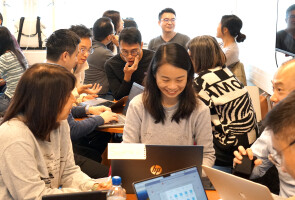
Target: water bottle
(116, 192)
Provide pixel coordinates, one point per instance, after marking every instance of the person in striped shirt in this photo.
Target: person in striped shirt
(12, 66)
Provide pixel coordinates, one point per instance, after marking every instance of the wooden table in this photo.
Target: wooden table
(111, 130)
(211, 194)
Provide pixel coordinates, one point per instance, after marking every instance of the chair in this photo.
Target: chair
(254, 94)
(238, 70)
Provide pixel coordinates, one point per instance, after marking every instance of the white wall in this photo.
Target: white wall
(194, 17)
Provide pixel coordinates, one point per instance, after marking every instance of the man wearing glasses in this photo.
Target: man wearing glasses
(283, 84)
(167, 19)
(130, 65)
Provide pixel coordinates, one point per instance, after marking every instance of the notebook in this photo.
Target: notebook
(159, 159)
(93, 195)
(181, 184)
(136, 89)
(237, 188)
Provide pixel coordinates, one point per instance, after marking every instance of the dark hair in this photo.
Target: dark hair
(130, 35)
(206, 53)
(60, 41)
(234, 25)
(292, 7)
(129, 22)
(7, 44)
(177, 56)
(166, 10)
(281, 119)
(1, 18)
(81, 30)
(102, 28)
(40, 96)
(114, 16)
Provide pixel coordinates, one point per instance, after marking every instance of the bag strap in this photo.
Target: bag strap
(38, 29)
(20, 29)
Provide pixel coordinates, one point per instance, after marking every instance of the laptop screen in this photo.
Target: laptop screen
(182, 184)
(136, 89)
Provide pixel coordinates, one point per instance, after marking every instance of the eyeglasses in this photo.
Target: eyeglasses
(276, 158)
(133, 52)
(166, 20)
(83, 51)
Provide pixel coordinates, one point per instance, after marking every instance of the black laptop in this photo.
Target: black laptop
(92, 195)
(160, 159)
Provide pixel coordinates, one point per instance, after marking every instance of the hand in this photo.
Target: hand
(88, 90)
(89, 97)
(115, 40)
(238, 156)
(128, 71)
(109, 116)
(103, 185)
(97, 110)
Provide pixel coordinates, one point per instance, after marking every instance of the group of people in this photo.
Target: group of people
(191, 97)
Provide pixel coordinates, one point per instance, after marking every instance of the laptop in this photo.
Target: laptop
(237, 188)
(181, 184)
(136, 89)
(159, 159)
(93, 195)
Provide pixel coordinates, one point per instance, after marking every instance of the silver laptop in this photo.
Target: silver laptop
(136, 89)
(231, 187)
(181, 184)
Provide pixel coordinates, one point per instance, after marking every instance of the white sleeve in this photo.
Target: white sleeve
(261, 149)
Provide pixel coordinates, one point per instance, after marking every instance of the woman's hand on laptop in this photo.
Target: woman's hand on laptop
(104, 185)
(109, 116)
(97, 110)
(239, 156)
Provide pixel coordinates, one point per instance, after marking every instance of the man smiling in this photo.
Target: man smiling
(130, 65)
(167, 20)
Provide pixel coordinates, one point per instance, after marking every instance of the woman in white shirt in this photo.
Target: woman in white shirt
(36, 156)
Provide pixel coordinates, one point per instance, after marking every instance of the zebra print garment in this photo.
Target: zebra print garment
(232, 114)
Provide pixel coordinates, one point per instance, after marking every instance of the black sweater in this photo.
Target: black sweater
(114, 70)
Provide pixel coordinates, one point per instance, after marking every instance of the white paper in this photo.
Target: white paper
(126, 151)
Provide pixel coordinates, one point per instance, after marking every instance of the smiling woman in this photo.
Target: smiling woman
(169, 105)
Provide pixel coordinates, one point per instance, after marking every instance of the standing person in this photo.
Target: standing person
(118, 25)
(232, 114)
(103, 33)
(130, 65)
(12, 66)
(285, 39)
(36, 156)
(169, 112)
(229, 30)
(283, 84)
(167, 21)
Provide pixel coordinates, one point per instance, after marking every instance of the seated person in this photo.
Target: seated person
(12, 66)
(232, 114)
(285, 39)
(118, 26)
(229, 30)
(129, 22)
(36, 156)
(130, 65)
(283, 84)
(62, 49)
(167, 21)
(169, 111)
(103, 33)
